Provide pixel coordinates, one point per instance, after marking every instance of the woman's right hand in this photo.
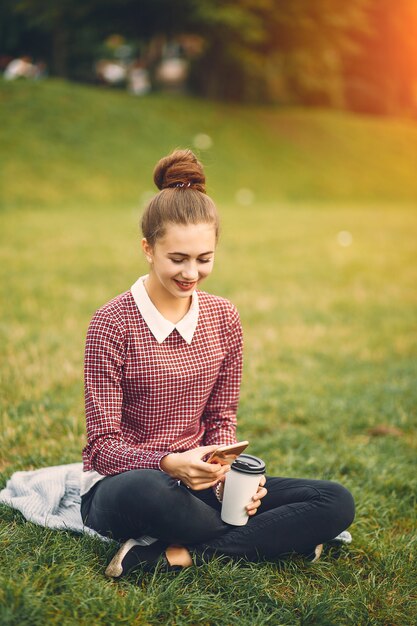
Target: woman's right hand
(191, 470)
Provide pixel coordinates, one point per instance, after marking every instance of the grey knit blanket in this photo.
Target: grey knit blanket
(49, 497)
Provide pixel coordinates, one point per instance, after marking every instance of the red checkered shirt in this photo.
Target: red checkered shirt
(146, 399)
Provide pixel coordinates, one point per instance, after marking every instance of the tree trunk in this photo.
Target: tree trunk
(60, 49)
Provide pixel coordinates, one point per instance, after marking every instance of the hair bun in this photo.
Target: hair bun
(180, 169)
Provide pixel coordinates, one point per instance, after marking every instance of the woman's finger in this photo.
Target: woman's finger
(256, 501)
(207, 468)
(199, 474)
(198, 483)
(199, 486)
(260, 494)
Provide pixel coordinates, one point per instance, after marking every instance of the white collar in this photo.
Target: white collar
(159, 326)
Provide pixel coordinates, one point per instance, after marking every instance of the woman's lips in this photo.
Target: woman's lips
(184, 286)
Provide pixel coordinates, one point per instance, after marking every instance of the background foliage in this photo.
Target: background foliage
(359, 55)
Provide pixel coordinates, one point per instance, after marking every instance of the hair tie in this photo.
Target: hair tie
(186, 185)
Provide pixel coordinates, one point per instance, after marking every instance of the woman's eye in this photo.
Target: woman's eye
(178, 261)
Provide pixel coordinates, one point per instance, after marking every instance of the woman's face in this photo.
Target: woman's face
(182, 258)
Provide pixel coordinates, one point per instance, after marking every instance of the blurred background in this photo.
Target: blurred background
(323, 94)
(359, 55)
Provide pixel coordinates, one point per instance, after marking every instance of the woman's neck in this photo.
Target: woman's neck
(170, 307)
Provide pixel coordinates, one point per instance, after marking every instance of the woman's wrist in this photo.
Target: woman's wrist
(165, 463)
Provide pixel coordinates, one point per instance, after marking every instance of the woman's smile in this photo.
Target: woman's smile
(185, 285)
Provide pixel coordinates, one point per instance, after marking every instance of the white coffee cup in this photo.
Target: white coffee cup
(240, 485)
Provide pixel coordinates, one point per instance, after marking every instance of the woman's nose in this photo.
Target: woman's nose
(190, 271)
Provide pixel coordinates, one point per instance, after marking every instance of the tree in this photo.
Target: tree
(57, 20)
(382, 78)
(360, 54)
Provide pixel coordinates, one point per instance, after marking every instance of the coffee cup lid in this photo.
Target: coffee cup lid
(248, 464)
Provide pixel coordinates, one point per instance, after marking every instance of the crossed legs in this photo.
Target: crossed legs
(294, 516)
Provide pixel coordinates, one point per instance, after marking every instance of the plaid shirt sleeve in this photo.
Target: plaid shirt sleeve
(220, 410)
(104, 358)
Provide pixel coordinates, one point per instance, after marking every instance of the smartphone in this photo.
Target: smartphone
(225, 455)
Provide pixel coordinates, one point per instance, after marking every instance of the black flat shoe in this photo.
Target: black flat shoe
(132, 556)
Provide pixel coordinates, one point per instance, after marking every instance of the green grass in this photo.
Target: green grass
(330, 339)
(67, 144)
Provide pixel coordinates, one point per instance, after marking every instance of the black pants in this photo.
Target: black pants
(295, 515)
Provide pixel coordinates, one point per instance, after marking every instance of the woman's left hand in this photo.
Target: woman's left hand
(256, 499)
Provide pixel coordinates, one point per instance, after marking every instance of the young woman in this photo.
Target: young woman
(162, 374)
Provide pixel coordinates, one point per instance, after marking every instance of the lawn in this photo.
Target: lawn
(321, 262)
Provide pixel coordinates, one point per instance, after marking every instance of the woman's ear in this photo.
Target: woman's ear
(147, 249)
